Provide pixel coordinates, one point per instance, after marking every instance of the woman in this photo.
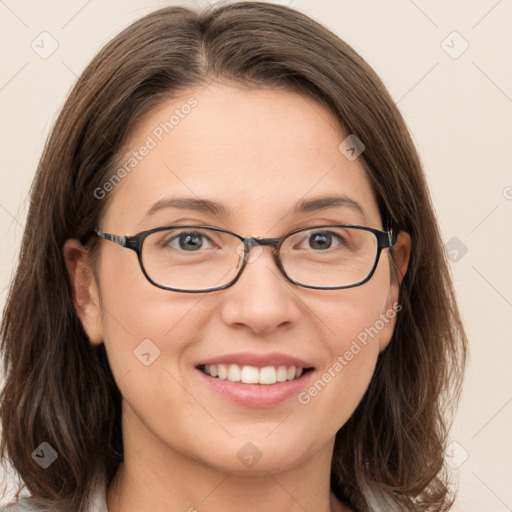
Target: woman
(287, 336)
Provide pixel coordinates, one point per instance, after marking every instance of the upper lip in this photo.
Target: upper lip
(257, 360)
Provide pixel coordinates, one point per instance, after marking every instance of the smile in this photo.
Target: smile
(246, 374)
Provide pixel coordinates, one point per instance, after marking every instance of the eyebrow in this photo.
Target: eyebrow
(304, 206)
(326, 202)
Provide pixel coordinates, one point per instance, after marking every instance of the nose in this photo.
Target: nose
(262, 299)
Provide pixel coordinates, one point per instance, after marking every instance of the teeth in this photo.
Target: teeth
(222, 370)
(268, 375)
(234, 373)
(281, 374)
(251, 374)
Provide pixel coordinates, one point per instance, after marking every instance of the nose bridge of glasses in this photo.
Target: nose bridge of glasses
(251, 242)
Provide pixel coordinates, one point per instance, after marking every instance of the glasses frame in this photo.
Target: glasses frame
(385, 240)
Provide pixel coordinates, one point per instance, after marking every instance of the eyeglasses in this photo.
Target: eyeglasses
(198, 259)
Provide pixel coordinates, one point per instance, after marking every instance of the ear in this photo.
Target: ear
(84, 289)
(400, 255)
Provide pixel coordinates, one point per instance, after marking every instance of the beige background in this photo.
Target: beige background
(459, 110)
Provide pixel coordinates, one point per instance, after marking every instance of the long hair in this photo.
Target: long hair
(59, 389)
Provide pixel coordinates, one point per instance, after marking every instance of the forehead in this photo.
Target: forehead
(257, 152)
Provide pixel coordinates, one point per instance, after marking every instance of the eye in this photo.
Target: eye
(322, 240)
(190, 241)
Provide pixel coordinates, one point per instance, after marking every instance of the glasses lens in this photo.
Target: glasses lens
(329, 256)
(191, 258)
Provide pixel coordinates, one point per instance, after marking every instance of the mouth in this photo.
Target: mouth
(253, 379)
(247, 374)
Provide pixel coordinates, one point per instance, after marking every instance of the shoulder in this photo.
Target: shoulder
(23, 505)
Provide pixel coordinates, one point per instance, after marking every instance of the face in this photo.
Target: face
(258, 154)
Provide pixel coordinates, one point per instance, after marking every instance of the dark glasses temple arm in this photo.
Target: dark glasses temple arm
(119, 240)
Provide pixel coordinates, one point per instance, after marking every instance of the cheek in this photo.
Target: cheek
(143, 324)
(148, 333)
(352, 317)
(353, 326)
(341, 383)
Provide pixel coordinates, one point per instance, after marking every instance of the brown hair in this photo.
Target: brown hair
(59, 389)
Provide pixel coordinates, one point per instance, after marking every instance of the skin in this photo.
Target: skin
(258, 152)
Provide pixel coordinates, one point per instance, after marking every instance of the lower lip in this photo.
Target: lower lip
(257, 395)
